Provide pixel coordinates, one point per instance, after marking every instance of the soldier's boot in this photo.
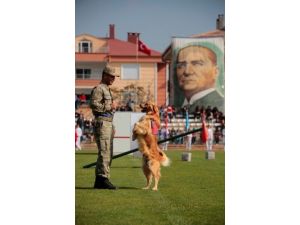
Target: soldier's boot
(103, 183)
(99, 182)
(108, 185)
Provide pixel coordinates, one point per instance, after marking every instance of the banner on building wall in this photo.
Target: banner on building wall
(197, 73)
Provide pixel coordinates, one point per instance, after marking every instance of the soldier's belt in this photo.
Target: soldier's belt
(109, 119)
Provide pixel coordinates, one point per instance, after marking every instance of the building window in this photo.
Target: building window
(83, 73)
(85, 46)
(130, 72)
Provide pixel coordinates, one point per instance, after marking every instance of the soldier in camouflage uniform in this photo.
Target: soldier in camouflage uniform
(103, 109)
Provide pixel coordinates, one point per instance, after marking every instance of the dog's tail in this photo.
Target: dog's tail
(164, 160)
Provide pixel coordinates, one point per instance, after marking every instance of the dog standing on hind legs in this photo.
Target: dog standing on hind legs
(153, 157)
(151, 168)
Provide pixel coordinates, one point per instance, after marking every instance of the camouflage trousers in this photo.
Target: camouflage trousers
(103, 131)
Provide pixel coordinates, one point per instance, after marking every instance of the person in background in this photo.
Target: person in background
(76, 136)
(197, 113)
(223, 135)
(217, 135)
(79, 135)
(170, 112)
(161, 112)
(210, 138)
(77, 102)
(82, 98)
(80, 121)
(164, 135)
(172, 134)
(130, 105)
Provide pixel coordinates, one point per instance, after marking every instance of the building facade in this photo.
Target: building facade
(142, 76)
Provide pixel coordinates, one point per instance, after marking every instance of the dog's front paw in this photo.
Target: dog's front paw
(145, 188)
(154, 189)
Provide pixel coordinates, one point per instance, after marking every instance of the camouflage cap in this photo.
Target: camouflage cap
(110, 70)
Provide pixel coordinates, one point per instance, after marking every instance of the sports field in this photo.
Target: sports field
(188, 192)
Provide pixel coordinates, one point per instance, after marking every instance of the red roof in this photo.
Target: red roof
(124, 48)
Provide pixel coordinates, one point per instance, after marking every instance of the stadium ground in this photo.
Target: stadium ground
(189, 192)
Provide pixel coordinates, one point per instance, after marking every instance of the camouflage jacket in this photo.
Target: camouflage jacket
(101, 99)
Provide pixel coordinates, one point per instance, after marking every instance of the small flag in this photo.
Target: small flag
(187, 121)
(204, 133)
(144, 48)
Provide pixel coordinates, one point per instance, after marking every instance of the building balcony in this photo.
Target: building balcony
(87, 83)
(90, 57)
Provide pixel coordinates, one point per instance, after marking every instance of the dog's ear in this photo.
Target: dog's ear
(133, 136)
(149, 109)
(134, 132)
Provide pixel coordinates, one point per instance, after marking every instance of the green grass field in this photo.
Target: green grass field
(189, 192)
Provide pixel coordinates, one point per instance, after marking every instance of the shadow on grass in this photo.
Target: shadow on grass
(133, 167)
(81, 188)
(86, 153)
(116, 167)
(125, 188)
(129, 188)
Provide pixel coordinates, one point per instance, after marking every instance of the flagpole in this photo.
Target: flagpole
(137, 49)
(187, 122)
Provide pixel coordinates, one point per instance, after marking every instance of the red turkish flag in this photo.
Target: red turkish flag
(204, 133)
(144, 48)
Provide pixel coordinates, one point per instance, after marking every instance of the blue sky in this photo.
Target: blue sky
(157, 20)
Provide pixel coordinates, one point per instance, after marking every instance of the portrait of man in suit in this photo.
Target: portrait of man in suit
(196, 78)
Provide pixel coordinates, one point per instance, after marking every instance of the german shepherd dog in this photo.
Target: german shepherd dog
(153, 156)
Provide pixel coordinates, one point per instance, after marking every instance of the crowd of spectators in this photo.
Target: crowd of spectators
(211, 114)
(80, 100)
(86, 125)
(167, 114)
